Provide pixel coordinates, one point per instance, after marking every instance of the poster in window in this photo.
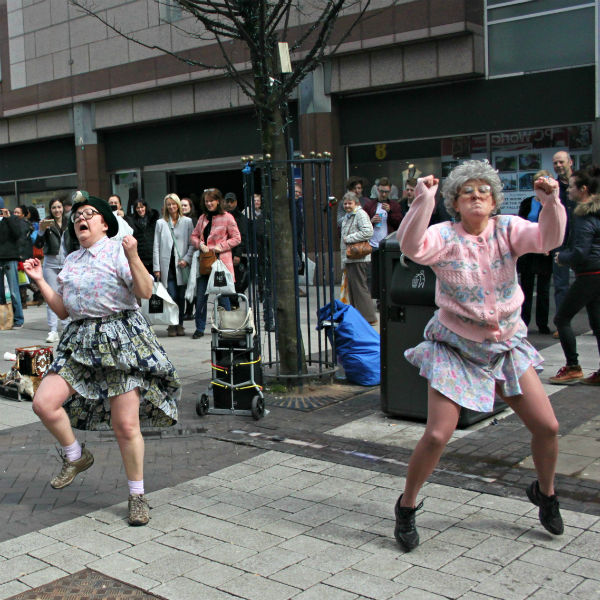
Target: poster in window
(526, 181)
(509, 181)
(506, 163)
(530, 161)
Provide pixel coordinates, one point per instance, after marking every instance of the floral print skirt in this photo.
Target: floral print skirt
(466, 371)
(107, 356)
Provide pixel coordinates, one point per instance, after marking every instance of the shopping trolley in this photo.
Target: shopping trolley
(236, 370)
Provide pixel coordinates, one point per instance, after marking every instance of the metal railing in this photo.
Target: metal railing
(312, 217)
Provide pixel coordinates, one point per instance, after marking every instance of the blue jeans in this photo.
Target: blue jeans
(201, 301)
(177, 293)
(13, 286)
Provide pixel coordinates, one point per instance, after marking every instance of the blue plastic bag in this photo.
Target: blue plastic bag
(357, 344)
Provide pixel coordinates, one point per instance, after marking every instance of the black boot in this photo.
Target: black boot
(405, 532)
(549, 513)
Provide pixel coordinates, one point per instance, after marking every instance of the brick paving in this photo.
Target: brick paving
(297, 511)
(278, 526)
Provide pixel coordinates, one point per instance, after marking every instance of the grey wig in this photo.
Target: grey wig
(467, 171)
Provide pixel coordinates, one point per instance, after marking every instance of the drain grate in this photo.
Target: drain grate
(316, 397)
(85, 585)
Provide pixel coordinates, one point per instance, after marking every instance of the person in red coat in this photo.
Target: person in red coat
(216, 230)
(385, 214)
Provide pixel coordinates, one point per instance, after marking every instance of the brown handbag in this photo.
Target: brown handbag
(206, 261)
(6, 316)
(358, 250)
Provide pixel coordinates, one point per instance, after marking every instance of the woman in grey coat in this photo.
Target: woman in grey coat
(172, 255)
(357, 227)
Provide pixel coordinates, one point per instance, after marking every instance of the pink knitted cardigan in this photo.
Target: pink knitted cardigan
(477, 290)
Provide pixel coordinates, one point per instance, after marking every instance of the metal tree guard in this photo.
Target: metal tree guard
(312, 223)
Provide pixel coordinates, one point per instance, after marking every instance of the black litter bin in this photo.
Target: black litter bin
(407, 294)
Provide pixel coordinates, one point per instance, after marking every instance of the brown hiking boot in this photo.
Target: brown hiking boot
(71, 468)
(139, 510)
(593, 379)
(567, 375)
(172, 331)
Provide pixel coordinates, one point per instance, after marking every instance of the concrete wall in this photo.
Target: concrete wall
(54, 57)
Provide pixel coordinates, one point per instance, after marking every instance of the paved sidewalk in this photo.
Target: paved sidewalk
(277, 526)
(300, 504)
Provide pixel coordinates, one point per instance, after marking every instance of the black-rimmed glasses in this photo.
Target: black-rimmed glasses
(86, 214)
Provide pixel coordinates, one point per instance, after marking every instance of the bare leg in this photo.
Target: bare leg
(47, 405)
(442, 417)
(126, 425)
(534, 409)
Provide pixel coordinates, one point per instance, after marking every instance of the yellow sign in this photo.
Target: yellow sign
(380, 151)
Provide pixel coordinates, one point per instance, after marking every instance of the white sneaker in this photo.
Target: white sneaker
(52, 337)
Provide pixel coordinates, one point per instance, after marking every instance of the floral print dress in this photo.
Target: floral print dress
(108, 348)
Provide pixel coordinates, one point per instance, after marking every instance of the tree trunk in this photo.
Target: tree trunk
(284, 246)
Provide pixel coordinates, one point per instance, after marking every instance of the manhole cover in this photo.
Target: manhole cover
(85, 585)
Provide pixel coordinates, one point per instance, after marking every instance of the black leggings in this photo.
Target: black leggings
(585, 291)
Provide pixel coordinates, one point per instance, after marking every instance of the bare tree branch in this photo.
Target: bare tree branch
(188, 61)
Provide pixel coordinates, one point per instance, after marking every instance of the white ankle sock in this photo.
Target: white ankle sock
(73, 452)
(136, 487)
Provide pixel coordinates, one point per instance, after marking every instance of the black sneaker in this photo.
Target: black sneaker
(197, 335)
(405, 532)
(549, 509)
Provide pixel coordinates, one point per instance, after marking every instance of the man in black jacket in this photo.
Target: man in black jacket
(11, 232)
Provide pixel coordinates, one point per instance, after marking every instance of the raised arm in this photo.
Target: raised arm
(33, 268)
(549, 231)
(142, 280)
(417, 241)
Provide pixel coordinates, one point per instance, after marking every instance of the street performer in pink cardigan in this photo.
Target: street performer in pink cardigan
(475, 345)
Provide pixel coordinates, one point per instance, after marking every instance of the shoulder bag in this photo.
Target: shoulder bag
(206, 261)
(358, 250)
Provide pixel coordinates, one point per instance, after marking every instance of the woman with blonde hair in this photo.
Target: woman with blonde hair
(172, 255)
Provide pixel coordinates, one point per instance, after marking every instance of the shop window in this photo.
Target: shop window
(37, 192)
(517, 155)
(169, 11)
(523, 39)
(126, 185)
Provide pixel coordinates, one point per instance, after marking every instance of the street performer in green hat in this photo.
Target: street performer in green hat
(109, 368)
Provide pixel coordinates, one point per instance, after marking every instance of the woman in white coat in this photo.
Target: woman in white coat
(172, 255)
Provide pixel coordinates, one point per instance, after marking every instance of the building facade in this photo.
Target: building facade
(417, 86)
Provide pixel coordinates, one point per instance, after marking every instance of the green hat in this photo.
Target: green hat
(82, 198)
